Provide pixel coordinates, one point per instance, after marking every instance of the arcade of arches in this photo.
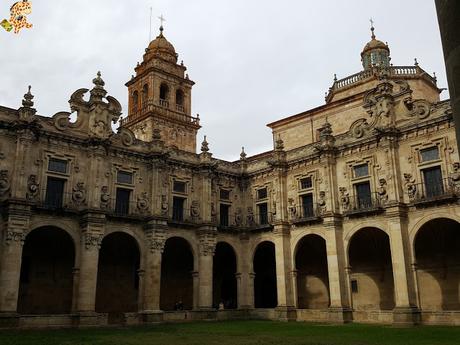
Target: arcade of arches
(50, 278)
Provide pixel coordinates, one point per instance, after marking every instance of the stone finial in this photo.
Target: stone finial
(335, 77)
(415, 62)
(326, 130)
(279, 144)
(98, 91)
(243, 154)
(28, 97)
(204, 145)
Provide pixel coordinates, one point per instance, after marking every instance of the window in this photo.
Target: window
(224, 214)
(145, 95)
(124, 177)
(178, 209)
(179, 97)
(363, 195)
(122, 201)
(57, 165)
(224, 194)
(306, 183)
(361, 170)
(354, 286)
(263, 213)
(429, 154)
(432, 178)
(164, 92)
(135, 101)
(54, 192)
(262, 193)
(179, 187)
(307, 206)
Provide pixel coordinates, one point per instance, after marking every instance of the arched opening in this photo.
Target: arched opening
(145, 95)
(117, 276)
(176, 291)
(265, 293)
(180, 100)
(224, 279)
(46, 281)
(164, 90)
(312, 273)
(135, 101)
(371, 277)
(437, 253)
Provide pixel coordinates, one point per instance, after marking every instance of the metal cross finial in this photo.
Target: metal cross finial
(162, 19)
(372, 22)
(372, 28)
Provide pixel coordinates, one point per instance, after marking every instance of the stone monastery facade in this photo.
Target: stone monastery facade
(353, 216)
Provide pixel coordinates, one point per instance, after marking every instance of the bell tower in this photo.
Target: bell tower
(160, 98)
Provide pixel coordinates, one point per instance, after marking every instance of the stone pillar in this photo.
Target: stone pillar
(92, 231)
(196, 287)
(207, 239)
(294, 288)
(156, 236)
(285, 309)
(340, 309)
(449, 19)
(12, 240)
(245, 282)
(405, 312)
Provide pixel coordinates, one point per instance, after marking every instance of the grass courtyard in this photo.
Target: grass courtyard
(238, 332)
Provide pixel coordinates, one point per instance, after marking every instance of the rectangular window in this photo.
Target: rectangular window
(122, 201)
(57, 165)
(361, 170)
(124, 177)
(363, 195)
(262, 193)
(224, 194)
(354, 286)
(178, 209)
(432, 178)
(429, 154)
(179, 187)
(305, 183)
(54, 192)
(224, 210)
(307, 206)
(263, 213)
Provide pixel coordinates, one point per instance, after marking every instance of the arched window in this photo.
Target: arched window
(164, 90)
(135, 101)
(180, 100)
(145, 95)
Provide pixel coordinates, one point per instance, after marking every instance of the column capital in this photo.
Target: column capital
(207, 237)
(92, 240)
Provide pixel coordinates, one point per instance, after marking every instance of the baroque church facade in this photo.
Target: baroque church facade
(353, 216)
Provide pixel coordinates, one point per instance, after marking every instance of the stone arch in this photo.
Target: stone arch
(136, 235)
(265, 286)
(421, 222)
(437, 255)
(117, 289)
(225, 294)
(371, 272)
(359, 227)
(310, 260)
(177, 274)
(47, 272)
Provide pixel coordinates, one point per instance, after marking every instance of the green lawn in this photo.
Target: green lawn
(238, 332)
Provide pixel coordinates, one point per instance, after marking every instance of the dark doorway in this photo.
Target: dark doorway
(265, 292)
(224, 279)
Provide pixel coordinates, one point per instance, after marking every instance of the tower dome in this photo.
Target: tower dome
(162, 48)
(375, 53)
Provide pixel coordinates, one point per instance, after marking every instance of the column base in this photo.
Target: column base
(406, 316)
(9, 320)
(285, 314)
(340, 315)
(86, 319)
(151, 316)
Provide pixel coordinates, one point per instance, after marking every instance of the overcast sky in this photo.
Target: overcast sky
(253, 62)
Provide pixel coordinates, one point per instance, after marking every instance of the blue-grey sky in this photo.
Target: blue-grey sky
(253, 61)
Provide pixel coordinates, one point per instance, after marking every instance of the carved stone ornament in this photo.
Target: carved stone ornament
(382, 194)
(164, 205)
(344, 198)
(292, 208)
(105, 198)
(455, 177)
(126, 136)
(322, 206)
(410, 185)
(208, 243)
(418, 109)
(14, 237)
(93, 241)
(250, 216)
(143, 202)
(157, 240)
(4, 183)
(79, 194)
(239, 216)
(33, 188)
(195, 209)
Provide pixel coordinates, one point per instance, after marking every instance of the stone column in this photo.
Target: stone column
(340, 309)
(245, 285)
(207, 243)
(285, 309)
(405, 311)
(12, 240)
(92, 227)
(196, 287)
(294, 288)
(156, 236)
